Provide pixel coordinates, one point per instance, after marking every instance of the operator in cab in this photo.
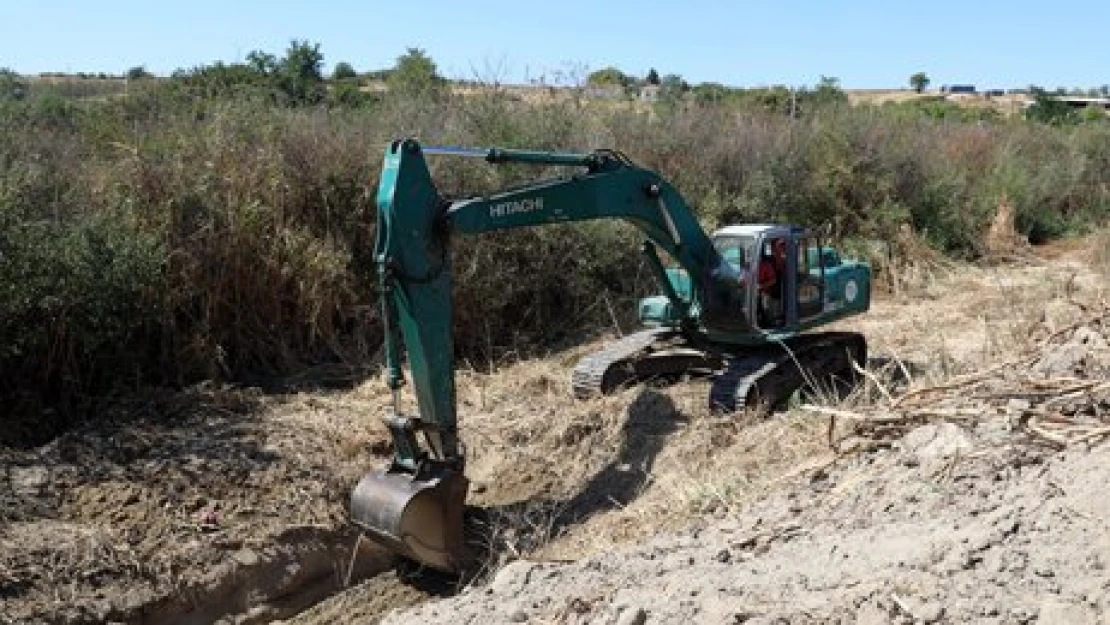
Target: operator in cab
(772, 271)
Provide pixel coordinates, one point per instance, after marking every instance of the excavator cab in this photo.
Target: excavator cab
(779, 285)
(794, 282)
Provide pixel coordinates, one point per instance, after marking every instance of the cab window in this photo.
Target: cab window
(735, 250)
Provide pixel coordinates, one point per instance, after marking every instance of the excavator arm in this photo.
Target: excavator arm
(415, 505)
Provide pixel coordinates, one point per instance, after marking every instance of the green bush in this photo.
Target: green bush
(80, 313)
(12, 86)
(1050, 110)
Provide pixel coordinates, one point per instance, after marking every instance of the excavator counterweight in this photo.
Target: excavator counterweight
(734, 306)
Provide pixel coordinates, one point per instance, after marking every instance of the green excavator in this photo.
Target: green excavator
(736, 306)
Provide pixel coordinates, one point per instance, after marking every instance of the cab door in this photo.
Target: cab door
(809, 281)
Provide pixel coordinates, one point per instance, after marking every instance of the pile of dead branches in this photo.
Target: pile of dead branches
(1058, 395)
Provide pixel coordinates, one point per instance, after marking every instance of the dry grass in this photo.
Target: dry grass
(64, 559)
(1054, 393)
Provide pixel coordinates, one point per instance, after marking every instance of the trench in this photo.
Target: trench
(305, 577)
(287, 580)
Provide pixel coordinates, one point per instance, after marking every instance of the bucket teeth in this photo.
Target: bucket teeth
(421, 519)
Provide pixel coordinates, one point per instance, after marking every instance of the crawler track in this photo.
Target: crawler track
(765, 378)
(653, 353)
(761, 378)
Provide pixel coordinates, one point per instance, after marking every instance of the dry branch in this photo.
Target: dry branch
(1058, 408)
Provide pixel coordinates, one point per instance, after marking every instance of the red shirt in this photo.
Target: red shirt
(768, 273)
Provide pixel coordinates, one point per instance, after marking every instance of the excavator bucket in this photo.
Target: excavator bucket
(421, 519)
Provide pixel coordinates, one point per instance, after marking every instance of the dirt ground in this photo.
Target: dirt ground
(228, 505)
(915, 534)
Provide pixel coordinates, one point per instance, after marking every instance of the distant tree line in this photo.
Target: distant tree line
(672, 89)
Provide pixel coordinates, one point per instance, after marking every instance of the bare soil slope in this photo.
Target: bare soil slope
(917, 534)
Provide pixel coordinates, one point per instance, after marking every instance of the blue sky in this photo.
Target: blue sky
(864, 43)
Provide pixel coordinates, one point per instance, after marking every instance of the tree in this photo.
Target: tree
(672, 92)
(1048, 109)
(300, 74)
(672, 87)
(138, 73)
(1092, 113)
(652, 77)
(347, 94)
(343, 70)
(12, 86)
(828, 83)
(262, 62)
(709, 93)
(828, 91)
(919, 81)
(220, 80)
(414, 73)
(608, 77)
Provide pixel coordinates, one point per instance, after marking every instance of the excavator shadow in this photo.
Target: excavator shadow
(505, 532)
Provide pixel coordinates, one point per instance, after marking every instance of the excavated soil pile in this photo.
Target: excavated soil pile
(980, 500)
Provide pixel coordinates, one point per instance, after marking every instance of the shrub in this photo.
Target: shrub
(80, 310)
(12, 86)
(1049, 110)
